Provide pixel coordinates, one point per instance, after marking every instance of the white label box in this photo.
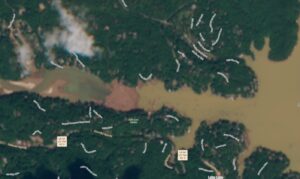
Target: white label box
(62, 141)
(182, 155)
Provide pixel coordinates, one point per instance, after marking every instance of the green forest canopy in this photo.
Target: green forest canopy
(143, 38)
(123, 152)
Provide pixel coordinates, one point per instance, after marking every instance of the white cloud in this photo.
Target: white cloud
(72, 36)
(24, 54)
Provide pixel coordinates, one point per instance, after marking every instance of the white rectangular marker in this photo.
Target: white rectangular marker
(62, 141)
(182, 155)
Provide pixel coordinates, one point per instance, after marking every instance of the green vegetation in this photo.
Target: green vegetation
(144, 38)
(245, 22)
(277, 163)
(122, 154)
(33, 23)
(9, 66)
(136, 43)
(213, 135)
(20, 114)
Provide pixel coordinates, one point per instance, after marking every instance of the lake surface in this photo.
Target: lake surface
(271, 117)
(79, 85)
(71, 83)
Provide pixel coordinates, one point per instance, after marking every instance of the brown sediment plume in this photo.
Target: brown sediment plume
(56, 89)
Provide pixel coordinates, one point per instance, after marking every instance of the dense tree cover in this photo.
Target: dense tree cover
(20, 114)
(135, 43)
(122, 154)
(277, 163)
(213, 135)
(143, 38)
(245, 22)
(9, 66)
(32, 22)
(20, 117)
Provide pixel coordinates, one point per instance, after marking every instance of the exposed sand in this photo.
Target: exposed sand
(6, 91)
(23, 84)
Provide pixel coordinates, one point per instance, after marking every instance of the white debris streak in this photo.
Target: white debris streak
(201, 36)
(12, 21)
(36, 132)
(102, 133)
(38, 106)
(17, 146)
(202, 145)
(224, 76)
(97, 114)
(262, 168)
(178, 65)
(166, 162)
(107, 128)
(145, 78)
(231, 136)
(199, 20)
(181, 54)
(172, 117)
(87, 151)
(164, 148)
(74, 123)
(90, 112)
(197, 55)
(218, 38)
(124, 3)
(89, 170)
(57, 65)
(211, 21)
(234, 164)
(145, 147)
(192, 23)
(202, 46)
(199, 51)
(206, 170)
(12, 174)
(220, 146)
(232, 60)
(78, 60)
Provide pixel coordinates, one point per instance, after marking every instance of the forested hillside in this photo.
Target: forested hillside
(197, 43)
(117, 144)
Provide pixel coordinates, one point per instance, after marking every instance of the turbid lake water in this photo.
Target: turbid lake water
(71, 83)
(80, 85)
(272, 116)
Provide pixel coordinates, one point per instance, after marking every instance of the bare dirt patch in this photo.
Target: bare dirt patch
(122, 98)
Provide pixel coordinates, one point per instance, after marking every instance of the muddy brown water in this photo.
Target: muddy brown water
(71, 83)
(80, 85)
(271, 117)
